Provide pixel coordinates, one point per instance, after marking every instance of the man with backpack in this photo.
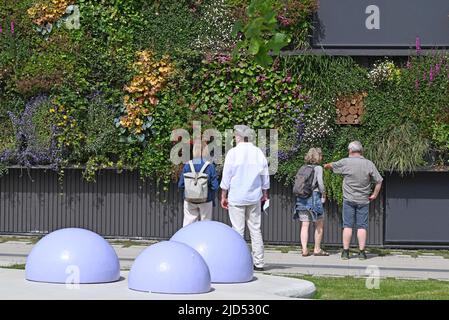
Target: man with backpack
(310, 196)
(358, 176)
(245, 183)
(199, 182)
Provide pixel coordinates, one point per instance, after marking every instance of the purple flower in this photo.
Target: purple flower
(418, 45)
(409, 64)
(223, 58)
(261, 78)
(288, 78)
(437, 68)
(12, 27)
(28, 152)
(431, 74)
(284, 21)
(417, 84)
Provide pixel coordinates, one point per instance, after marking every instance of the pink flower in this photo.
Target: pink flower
(222, 58)
(418, 45)
(12, 27)
(437, 69)
(285, 22)
(417, 84)
(288, 78)
(431, 74)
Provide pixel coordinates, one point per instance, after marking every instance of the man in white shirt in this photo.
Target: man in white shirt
(245, 185)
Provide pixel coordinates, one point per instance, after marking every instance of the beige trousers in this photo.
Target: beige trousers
(250, 214)
(194, 211)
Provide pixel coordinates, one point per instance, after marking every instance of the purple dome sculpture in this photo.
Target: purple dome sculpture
(169, 267)
(224, 250)
(72, 255)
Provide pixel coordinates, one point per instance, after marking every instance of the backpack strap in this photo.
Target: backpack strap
(192, 167)
(204, 166)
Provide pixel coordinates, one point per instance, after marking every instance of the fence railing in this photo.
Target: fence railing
(123, 205)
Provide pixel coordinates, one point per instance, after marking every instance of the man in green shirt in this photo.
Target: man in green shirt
(359, 174)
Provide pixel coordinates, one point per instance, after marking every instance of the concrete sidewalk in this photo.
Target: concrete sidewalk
(395, 266)
(262, 287)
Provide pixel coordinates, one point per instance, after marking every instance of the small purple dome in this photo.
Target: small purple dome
(224, 250)
(72, 255)
(169, 267)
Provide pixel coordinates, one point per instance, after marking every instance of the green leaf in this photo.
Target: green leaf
(254, 46)
(238, 26)
(277, 42)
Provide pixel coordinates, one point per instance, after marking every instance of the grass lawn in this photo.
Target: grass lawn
(20, 266)
(350, 288)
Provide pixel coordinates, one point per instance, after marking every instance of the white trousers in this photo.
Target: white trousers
(250, 214)
(194, 211)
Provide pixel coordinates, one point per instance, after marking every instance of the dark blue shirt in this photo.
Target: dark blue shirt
(212, 177)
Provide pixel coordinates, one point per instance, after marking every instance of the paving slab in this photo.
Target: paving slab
(263, 287)
(397, 266)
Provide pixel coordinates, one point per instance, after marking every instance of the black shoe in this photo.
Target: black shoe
(362, 255)
(258, 269)
(345, 254)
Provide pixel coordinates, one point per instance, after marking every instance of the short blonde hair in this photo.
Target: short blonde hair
(313, 156)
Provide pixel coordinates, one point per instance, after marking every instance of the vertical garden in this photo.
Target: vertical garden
(102, 83)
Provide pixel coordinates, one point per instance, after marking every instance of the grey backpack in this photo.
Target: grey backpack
(303, 187)
(196, 184)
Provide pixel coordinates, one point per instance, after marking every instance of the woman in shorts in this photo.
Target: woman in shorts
(311, 209)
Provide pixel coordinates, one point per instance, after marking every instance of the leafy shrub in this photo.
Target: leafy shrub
(6, 135)
(260, 34)
(28, 151)
(244, 92)
(48, 11)
(401, 149)
(216, 28)
(142, 96)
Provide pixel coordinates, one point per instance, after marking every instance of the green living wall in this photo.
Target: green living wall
(107, 89)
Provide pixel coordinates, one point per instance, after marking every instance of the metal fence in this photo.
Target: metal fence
(123, 205)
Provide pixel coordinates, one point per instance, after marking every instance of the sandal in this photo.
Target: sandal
(307, 254)
(321, 253)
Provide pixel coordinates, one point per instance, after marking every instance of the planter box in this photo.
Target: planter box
(122, 205)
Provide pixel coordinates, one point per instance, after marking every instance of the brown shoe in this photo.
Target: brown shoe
(321, 253)
(306, 254)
